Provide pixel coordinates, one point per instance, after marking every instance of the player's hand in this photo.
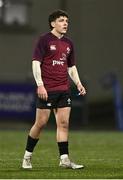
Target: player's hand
(81, 89)
(42, 93)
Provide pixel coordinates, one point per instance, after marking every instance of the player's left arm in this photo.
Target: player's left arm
(73, 73)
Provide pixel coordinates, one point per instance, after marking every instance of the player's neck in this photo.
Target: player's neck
(57, 34)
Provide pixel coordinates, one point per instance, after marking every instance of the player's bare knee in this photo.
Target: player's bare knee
(40, 124)
(64, 124)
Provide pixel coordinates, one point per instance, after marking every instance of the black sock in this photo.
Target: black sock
(63, 148)
(31, 143)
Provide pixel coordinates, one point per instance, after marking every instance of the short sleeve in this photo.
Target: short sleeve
(71, 57)
(39, 50)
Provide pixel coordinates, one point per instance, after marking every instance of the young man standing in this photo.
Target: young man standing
(53, 60)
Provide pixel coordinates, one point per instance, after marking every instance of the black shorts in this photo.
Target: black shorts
(55, 100)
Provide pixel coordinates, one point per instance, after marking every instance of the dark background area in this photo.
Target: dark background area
(96, 28)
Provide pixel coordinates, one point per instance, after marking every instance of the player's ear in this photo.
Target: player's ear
(53, 24)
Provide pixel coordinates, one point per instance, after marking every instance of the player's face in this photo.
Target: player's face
(60, 25)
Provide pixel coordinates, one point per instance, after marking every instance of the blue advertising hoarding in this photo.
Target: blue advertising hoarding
(17, 100)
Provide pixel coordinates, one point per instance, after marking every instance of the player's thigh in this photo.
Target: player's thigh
(42, 115)
(62, 115)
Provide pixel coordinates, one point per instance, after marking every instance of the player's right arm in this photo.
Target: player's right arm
(41, 91)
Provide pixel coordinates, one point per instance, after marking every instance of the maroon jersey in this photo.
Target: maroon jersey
(55, 55)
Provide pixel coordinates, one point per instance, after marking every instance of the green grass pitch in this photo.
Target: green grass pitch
(100, 152)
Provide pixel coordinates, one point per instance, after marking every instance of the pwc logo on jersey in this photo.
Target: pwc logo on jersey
(56, 62)
(61, 60)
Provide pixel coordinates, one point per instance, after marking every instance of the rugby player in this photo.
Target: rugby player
(52, 63)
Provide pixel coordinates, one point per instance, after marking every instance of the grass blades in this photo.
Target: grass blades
(100, 152)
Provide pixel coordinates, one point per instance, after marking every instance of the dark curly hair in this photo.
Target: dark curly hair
(56, 14)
